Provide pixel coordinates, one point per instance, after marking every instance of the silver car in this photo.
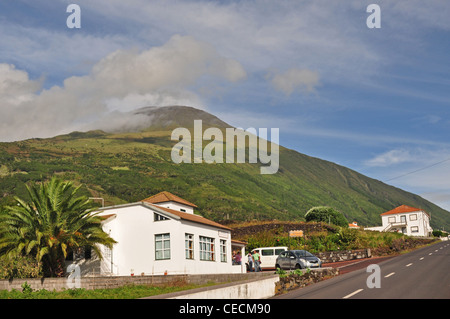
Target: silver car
(297, 259)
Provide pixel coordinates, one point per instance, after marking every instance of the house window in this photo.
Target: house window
(183, 210)
(84, 252)
(207, 248)
(391, 219)
(189, 246)
(413, 217)
(158, 217)
(223, 250)
(87, 252)
(162, 246)
(414, 229)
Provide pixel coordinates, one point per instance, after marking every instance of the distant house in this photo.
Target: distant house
(162, 235)
(353, 225)
(407, 220)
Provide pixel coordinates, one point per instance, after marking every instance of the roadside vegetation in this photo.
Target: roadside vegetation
(126, 292)
(321, 237)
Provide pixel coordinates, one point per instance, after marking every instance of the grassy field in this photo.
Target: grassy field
(126, 292)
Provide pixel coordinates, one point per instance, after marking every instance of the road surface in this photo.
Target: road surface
(421, 274)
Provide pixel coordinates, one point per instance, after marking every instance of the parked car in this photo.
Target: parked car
(297, 259)
(268, 256)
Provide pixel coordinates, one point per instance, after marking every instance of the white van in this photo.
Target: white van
(269, 256)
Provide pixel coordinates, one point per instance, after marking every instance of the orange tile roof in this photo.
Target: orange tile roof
(191, 217)
(105, 217)
(401, 209)
(167, 197)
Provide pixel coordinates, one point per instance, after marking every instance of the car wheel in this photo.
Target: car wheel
(298, 266)
(277, 266)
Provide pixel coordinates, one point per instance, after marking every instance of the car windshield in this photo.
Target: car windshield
(303, 253)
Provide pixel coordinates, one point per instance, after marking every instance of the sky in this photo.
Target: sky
(375, 100)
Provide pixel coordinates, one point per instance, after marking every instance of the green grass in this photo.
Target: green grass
(126, 292)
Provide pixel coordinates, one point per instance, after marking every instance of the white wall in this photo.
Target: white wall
(254, 289)
(134, 229)
(421, 221)
(177, 206)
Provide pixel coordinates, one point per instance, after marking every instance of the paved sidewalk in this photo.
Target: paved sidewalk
(355, 264)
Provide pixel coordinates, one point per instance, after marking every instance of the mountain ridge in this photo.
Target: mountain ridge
(124, 167)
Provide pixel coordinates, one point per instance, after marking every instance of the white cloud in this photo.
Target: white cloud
(420, 170)
(325, 36)
(391, 157)
(164, 74)
(295, 79)
(53, 52)
(15, 86)
(417, 158)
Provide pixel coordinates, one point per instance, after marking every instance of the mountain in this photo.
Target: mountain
(126, 167)
(178, 116)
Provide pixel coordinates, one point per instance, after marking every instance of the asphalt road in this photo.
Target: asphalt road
(421, 274)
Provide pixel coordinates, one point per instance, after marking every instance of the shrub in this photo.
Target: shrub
(19, 267)
(26, 288)
(348, 238)
(327, 215)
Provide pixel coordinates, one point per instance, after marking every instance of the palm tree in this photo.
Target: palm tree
(55, 222)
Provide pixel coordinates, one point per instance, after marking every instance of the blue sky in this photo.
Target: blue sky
(374, 100)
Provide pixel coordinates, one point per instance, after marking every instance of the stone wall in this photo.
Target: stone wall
(119, 281)
(293, 281)
(343, 255)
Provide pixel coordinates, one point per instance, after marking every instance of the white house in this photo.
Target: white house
(162, 235)
(408, 220)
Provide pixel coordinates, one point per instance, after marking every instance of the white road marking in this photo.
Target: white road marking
(353, 293)
(422, 258)
(389, 275)
(409, 264)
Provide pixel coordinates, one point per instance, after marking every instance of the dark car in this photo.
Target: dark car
(297, 259)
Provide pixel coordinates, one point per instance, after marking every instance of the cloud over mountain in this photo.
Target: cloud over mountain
(122, 81)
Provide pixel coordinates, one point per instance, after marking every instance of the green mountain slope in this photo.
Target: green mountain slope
(128, 167)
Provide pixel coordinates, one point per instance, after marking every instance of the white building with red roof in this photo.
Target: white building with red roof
(161, 235)
(405, 219)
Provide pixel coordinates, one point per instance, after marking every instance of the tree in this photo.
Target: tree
(53, 223)
(327, 215)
